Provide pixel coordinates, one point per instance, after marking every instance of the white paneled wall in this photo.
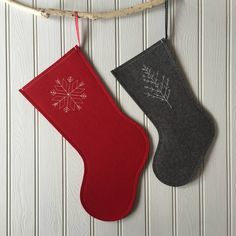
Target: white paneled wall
(41, 174)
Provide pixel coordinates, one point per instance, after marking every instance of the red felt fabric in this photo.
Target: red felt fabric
(114, 148)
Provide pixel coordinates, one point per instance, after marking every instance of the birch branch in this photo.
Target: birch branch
(46, 12)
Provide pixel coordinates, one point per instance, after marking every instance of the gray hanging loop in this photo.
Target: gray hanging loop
(166, 19)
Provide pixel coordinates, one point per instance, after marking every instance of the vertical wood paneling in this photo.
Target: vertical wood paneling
(36, 133)
(3, 122)
(214, 98)
(172, 7)
(103, 57)
(78, 220)
(50, 141)
(232, 115)
(160, 195)
(130, 44)
(8, 123)
(41, 174)
(185, 46)
(21, 131)
(228, 117)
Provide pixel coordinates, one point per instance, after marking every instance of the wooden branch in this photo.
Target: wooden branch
(46, 12)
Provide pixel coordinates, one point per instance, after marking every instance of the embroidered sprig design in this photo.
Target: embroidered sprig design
(158, 86)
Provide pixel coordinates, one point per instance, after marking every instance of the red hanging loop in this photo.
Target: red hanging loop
(77, 27)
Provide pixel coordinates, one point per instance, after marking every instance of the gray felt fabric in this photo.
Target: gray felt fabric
(185, 129)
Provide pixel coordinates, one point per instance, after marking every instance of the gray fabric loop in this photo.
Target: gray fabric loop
(166, 19)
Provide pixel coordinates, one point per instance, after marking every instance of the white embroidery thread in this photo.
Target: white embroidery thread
(68, 94)
(159, 85)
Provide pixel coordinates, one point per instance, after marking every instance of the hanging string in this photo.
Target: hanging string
(77, 27)
(166, 19)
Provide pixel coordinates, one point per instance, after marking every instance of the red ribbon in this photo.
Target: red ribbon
(77, 27)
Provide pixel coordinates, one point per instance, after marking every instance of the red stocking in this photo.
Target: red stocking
(114, 148)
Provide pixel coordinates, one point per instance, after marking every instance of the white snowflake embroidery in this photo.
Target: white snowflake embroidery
(68, 94)
(158, 86)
